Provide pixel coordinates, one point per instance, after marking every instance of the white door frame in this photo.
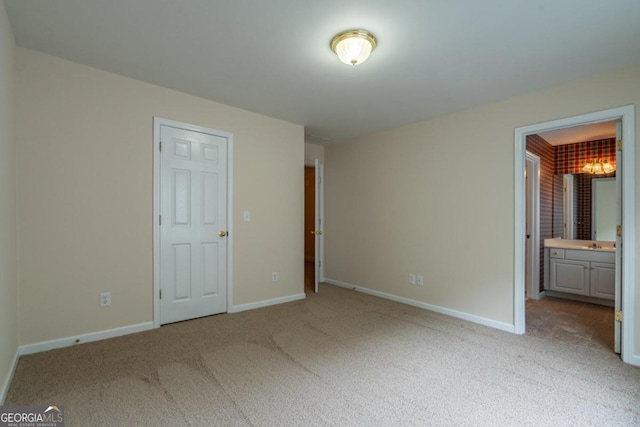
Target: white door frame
(567, 203)
(534, 210)
(157, 122)
(319, 225)
(627, 115)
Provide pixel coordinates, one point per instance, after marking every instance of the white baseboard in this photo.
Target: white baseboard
(81, 339)
(442, 310)
(266, 303)
(5, 386)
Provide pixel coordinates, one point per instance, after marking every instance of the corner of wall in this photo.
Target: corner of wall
(8, 237)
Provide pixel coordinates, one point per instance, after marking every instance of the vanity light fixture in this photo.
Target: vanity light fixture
(353, 47)
(601, 167)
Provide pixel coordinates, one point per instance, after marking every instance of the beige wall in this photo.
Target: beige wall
(85, 180)
(312, 152)
(8, 260)
(418, 199)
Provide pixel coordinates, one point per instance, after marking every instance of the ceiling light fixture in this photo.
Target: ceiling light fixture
(353, 47)
(598, 168)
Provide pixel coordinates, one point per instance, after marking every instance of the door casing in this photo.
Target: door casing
(627, 115)
(157, 122)
(534, 211)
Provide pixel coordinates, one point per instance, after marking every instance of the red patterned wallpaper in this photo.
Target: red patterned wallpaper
(571, 158)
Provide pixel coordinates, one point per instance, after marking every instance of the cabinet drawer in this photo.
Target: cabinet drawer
(556, 253)
(590, 255)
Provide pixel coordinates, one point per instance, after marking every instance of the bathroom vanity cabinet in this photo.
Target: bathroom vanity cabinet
(584, 274)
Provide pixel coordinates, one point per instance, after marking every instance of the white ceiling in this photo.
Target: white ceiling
(272, 57)
(573, 135)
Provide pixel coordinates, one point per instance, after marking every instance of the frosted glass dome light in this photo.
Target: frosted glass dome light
(353, 47)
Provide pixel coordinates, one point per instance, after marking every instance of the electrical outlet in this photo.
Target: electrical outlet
(247, 216)
(105, 299)
(421, 280)
(274, 276)
(412, 279)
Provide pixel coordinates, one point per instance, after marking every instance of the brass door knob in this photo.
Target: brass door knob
(313, 232)
(222, 233)
(319, 232)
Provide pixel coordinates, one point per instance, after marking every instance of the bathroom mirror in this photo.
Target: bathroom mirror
(575, 215)
(603, 209)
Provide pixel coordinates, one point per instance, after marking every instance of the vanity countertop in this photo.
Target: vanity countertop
(584, 245)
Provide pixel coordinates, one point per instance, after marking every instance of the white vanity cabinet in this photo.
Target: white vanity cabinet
(589, 273)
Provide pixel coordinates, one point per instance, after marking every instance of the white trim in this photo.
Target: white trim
(627, 114)
(568, 211)
(157, 122)
(267, 303)
(230, 234)
(435, 308)
(84, 338)
(534, 285)
(7, 382)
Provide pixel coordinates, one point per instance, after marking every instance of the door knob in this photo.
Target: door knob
(222, 233)
(313, 232)
(319, 232)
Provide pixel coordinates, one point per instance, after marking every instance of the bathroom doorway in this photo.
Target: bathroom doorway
(626, 177)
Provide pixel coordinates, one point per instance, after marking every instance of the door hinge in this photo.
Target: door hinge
(160, 220)
(160, 145)
(160, 293)
(319, 180)
(619, 145)
(618, 315)
(619, 230)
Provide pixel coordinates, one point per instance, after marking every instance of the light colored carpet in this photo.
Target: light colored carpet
(340, 358)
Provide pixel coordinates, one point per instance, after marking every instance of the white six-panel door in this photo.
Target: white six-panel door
(193, 224)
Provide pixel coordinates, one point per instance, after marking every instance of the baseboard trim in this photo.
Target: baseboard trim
(266, 303)
(435, 308)
(5, 386)
(84, 338)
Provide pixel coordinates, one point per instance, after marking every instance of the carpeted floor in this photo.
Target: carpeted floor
(339, 358)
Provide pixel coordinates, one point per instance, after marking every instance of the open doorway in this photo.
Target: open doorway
(314, 226)
(624, 298)
(309, 227)
(576, 279)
